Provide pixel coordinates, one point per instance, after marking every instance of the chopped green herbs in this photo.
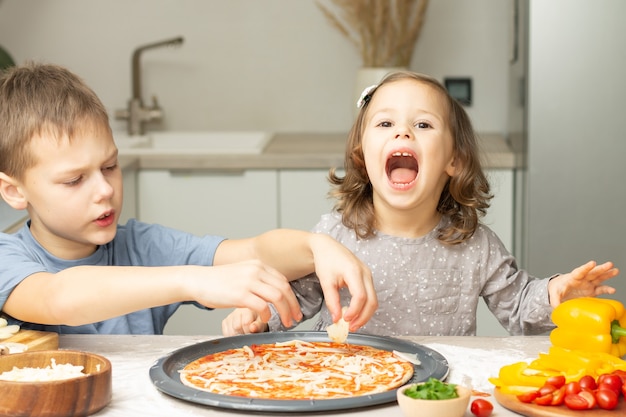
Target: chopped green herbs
(433, 389)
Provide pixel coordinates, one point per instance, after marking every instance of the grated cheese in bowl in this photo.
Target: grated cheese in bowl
(52, 372)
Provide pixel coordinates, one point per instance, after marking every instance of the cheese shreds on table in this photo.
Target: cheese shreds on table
(298, 370)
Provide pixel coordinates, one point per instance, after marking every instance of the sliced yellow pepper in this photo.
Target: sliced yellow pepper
(521, 377)
(515, 375)
(590, 324)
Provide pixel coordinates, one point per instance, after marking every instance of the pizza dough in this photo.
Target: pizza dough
(298, 370)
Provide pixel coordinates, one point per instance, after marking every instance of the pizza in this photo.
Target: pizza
(298, 370)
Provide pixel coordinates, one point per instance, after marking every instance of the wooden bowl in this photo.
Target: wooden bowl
(78, 396)
(454, 407)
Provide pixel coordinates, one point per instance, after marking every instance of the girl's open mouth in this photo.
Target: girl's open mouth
(402, 168)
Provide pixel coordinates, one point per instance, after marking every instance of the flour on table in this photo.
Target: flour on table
(473, 367)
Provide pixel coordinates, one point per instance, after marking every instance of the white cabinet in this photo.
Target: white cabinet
(500, 218)
(129, 207)
(234, 205)
(500, 215)
(303, 197)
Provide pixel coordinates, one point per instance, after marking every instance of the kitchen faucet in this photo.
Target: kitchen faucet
(136, 114)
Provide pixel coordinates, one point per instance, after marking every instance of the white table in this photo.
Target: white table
(471, 359)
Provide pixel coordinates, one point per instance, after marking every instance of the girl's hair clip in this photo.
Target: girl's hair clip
(366, 95)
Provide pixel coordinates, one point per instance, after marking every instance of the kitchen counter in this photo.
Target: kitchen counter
(471, 359)
(302, 151)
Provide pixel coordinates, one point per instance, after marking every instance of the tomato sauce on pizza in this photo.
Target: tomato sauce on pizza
(296, 370)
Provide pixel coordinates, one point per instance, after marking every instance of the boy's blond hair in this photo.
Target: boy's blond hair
(465, 197)
(38, 99)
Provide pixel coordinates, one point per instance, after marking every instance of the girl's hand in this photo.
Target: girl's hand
(243, 321)
(337, 267)
(585, 281)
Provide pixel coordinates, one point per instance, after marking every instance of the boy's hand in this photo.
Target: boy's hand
(243, 321)
(249, 284)
(585, 281)
(337, 267)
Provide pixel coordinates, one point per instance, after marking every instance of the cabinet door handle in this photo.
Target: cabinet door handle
(187, 172)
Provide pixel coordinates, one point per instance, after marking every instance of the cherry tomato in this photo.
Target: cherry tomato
(545, 399)
(621, 374)
(624, 389)
(528, 397)
(610, 381)
(572, 388)
(607, 399)
(588, 382)
(584, 400)
(558, 396)
(557, 380)
(481, 408)
(547, 389)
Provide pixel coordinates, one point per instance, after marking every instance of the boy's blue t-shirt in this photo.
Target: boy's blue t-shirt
(135, 243)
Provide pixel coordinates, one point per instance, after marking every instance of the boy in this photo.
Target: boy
(72, 269)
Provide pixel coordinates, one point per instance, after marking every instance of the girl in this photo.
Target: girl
(409, 206)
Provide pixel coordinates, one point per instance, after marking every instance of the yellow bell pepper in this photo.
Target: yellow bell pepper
(517, 374)
(590, 324)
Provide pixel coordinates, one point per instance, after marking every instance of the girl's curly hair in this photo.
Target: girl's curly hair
(465, 197)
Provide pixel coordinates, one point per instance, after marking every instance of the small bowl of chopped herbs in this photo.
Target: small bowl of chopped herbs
(433, 398)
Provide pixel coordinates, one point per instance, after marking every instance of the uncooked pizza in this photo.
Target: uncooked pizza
(297, 370)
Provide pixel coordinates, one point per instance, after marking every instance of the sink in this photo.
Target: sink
(194, 143)
(124, 141)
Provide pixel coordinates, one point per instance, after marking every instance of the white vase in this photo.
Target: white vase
(366, 76)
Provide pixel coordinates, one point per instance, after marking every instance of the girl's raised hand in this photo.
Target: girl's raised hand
(585, 281)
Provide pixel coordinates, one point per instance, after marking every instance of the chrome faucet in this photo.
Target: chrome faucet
(136, 114)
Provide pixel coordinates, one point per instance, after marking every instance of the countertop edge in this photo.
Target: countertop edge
(299, 151)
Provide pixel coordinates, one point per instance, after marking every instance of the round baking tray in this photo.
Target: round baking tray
(165, 372)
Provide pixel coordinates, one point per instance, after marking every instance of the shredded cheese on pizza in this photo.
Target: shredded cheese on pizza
(298, 370)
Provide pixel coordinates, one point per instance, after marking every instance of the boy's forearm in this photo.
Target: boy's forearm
(288, 251)
(88, 294)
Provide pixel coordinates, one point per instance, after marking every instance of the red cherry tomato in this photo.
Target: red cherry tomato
(481, 408)
(557, 380)
(624, 389)
(607, 399)
(547, 389)
(558, 396)
(584, 400)
(528, 397)
(588, 382)
(572, 388)
(545, 399)
(621, 374)
(610, 381)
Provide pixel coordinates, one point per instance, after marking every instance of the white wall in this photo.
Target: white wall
(576, 135)
(250, 64)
